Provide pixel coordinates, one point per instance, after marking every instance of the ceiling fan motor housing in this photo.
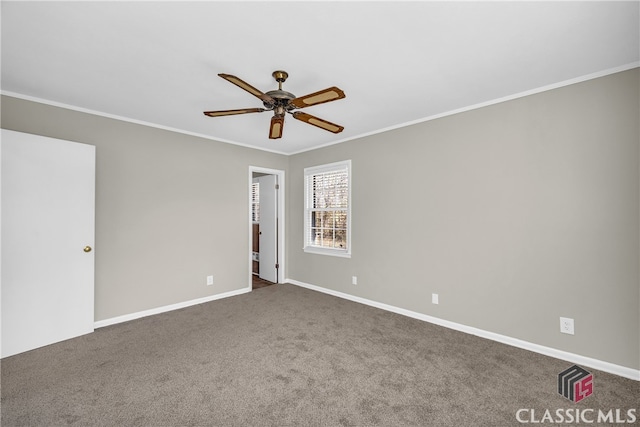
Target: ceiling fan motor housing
(281, 101)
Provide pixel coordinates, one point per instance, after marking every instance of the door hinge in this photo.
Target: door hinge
(277, 265)
(277, 186)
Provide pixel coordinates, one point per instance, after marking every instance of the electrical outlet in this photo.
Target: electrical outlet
(209, 280)
(434, 299)
(566, 325)
(354, 280)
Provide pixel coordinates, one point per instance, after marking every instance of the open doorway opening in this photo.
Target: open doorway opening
(266, 236)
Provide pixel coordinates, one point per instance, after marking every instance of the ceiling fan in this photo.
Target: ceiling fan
(281, 102)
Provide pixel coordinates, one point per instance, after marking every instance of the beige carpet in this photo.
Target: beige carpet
(287, 356)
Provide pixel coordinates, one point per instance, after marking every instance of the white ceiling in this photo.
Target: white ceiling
(398, 62)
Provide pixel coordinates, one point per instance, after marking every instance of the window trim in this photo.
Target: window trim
(313, 170)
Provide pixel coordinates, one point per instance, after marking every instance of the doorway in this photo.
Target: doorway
(266, 225)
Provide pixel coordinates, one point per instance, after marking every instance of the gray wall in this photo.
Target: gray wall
(515, 214)
(170, 208)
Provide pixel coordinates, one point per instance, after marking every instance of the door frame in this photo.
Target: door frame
(280, 235)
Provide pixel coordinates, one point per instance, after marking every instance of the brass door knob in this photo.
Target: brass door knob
(87, 249)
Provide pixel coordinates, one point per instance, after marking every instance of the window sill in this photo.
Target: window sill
(324, 251)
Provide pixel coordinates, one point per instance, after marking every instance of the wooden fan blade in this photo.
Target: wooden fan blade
(277, 124)
(246, 86)
(320, 97)
(312, 120)
(233, 112)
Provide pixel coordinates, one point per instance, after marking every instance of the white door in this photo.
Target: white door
(268, 227)
(48, 202)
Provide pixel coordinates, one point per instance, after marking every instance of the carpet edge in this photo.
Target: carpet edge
(166, 308)
(612, 368)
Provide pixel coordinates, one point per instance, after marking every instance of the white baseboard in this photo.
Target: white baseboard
(164, 309)
(611, 368)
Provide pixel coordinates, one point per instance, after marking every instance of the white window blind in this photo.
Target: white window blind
(327, 212)
(255, 202)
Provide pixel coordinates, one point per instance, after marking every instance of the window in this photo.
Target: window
(327, 220)
(255, 202)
